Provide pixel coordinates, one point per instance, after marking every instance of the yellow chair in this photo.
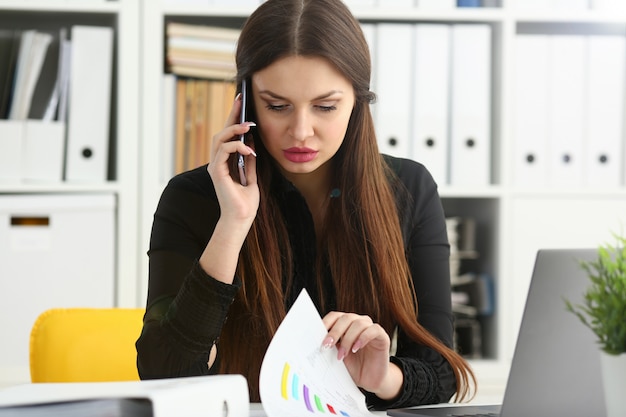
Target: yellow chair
(85, 345)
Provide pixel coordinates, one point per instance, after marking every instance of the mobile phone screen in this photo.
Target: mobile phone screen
(242, 118)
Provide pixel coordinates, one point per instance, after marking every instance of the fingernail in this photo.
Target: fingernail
(341, 353)
(252, 151)
(238, 97)
(251, 124)
(328, 342)
(356, 346)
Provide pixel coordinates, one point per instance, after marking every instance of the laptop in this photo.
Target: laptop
(555, 369)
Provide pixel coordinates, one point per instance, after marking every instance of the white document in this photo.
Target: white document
(530, 117)
(32, 53)
(89, 103)
(393, 87)
(470, 138)
(431, 98)
(215, 395)
(299, 377)
(566, 109)
(603, 142)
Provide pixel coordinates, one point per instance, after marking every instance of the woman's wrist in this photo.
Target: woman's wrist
(392, 384)
(221, 254)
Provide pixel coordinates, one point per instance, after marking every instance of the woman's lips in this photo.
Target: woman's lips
(300, 154)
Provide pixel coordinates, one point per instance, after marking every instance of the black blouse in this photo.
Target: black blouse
(186, 308)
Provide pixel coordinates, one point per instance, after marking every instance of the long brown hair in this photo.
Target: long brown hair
(363, 240)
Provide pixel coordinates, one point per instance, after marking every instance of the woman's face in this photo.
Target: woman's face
(303, 106)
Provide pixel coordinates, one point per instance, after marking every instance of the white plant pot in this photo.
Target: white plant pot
(614, 381)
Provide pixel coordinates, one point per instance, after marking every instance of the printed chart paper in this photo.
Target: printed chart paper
(299, 378)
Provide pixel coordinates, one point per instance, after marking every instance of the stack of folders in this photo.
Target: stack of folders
(55, 95)
(216, 395)
(198, 92)
(433, 83)
(569, 106)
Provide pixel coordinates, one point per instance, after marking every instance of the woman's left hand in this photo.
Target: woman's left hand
(364, 348)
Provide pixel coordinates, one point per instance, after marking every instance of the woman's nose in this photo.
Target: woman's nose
(301, 126)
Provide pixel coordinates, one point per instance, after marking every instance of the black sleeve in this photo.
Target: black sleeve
(185, 308)
(428, 377)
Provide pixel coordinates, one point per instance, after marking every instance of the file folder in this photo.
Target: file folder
(89, 103)
(566, 109)
(431, 98)
(43, 151)
(530, 121)
(393, 83)
(470, 139)
(11, 150)
(604, 139)
(369, 32)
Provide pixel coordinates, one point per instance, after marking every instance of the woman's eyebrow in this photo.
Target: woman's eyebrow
(320, 97)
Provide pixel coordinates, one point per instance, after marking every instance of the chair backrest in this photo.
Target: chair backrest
(85, 345)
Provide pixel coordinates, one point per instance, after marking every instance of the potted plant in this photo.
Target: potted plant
(603, 310)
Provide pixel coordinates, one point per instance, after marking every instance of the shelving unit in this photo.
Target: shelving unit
(122, 183)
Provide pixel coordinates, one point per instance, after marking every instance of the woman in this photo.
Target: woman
(322, 210)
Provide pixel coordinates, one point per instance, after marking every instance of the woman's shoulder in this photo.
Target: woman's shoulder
(411, 173)
(196, 181)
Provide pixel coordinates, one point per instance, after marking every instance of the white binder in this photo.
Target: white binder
(369, 31)
(431, 98)
(393, 85)
(603, 143)
(566, 109)
(470, 139)
(530, 121)
(89, 103)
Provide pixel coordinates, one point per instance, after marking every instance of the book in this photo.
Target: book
(213, 395)
(201, 51)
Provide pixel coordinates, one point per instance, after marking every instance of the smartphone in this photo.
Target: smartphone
(242, 118)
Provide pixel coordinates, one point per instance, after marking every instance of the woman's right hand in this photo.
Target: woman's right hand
(238, 203)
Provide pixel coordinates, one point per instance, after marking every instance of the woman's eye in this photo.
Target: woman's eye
(276, 107)
(327, 108)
